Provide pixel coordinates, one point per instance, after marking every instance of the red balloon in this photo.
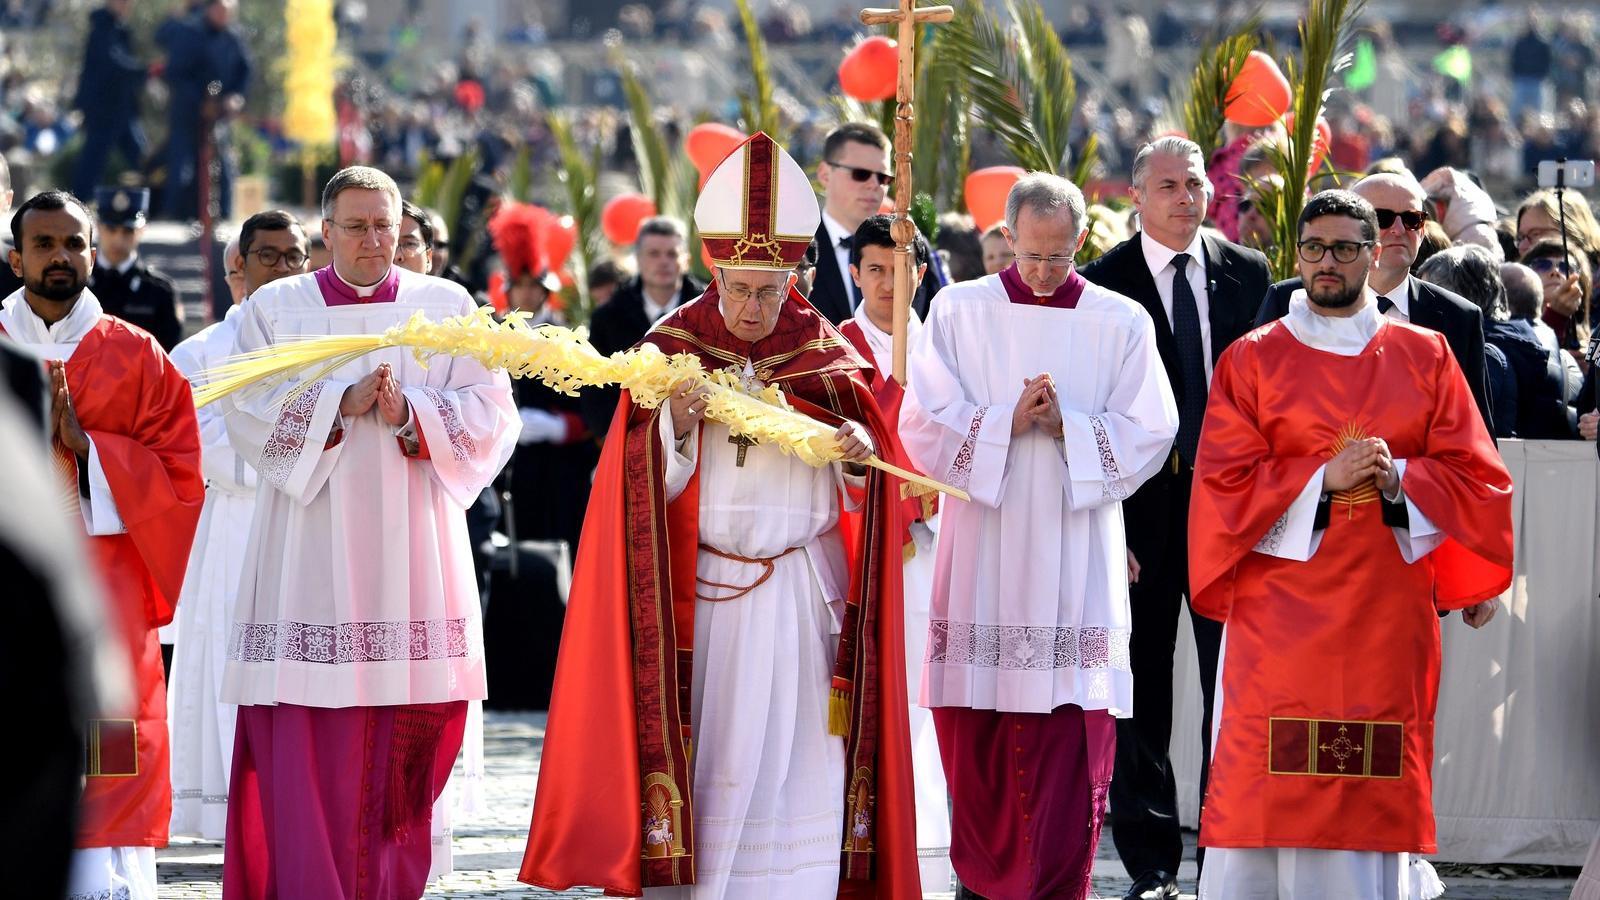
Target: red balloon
(871, 70)
(986, 192)
(621, 216)
(562, 237)
(710, 143)
(1259, 94)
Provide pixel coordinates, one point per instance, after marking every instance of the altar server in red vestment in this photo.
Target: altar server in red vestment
(127, 449)
(1346, 492)
(729, 715)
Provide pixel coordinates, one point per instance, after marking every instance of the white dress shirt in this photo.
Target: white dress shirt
(1158, 257)
(1401, 298)
(837, 233)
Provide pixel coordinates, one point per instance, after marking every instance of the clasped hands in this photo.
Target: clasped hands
(687, 406)
(381, 389)
(1361, 461)
(1038, 407)
(63, 417)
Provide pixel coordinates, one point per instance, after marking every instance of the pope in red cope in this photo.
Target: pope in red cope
(729, 716)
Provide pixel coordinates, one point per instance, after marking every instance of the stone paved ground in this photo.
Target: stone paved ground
(488, 849)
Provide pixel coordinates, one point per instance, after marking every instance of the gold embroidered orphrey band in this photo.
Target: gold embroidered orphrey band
(112, 748)
(1335, 748)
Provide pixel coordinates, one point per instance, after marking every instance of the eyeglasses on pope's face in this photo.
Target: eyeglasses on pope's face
(1343, 251)
(742, 293)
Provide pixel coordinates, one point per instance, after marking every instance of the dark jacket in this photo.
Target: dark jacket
(618, 325)
(1431, 307)
(197, 56)
(827, 290)
(1156, 515)
(1535, 407)
(142, 296)
(112, 77)
(1235, 275)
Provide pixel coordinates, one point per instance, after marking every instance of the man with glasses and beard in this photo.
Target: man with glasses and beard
(1400, 206)
(127, 452)
(1345, 491)
(272, 245)
(855, 173)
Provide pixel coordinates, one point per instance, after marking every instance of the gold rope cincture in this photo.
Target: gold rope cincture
(564, 360)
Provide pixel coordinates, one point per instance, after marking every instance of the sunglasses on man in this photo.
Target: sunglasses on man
(856, 174)
(1411, 219)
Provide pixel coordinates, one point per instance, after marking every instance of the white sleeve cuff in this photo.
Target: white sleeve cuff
(100, 514)
(1293, 537)
(542, 426)
(680, 456)
(1422, 537)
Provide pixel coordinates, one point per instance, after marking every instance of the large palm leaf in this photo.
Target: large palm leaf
(1324, 38)
(1219, 61)
(578, 175)
(1019, 79)
(758, 108)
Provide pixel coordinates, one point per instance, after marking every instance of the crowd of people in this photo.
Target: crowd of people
(767, 660)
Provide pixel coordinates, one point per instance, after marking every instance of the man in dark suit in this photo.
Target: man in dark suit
(109, 87)
(1200, 291)
(855, 178)
(661, 255)
(1401, 203)
(125, 286)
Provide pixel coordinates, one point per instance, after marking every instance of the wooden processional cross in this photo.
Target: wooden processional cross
(906, 18)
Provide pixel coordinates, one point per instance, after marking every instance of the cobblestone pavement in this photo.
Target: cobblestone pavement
(488, 848)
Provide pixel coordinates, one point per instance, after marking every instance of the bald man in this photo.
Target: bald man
(1401, 206)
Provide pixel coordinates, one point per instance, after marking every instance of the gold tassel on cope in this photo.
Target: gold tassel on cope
(838, 712)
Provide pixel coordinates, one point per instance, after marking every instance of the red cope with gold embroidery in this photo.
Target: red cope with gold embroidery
(1331, 666)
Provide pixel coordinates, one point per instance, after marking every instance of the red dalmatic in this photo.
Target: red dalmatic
(1331, 672)
(137, 409)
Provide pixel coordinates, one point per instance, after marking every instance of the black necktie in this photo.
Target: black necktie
(1191, 359)
(855, 292)
(1384, 305)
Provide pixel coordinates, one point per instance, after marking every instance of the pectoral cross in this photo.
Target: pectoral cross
(745, 442)
(906, 19)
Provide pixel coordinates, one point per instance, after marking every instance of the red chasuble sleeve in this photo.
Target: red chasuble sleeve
(1241, 488)
(138, 410)
(1462, 486)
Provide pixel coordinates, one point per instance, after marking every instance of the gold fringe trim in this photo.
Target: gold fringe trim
(838, 712)
(561, 358)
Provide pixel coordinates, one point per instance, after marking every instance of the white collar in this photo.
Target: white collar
(882, 342)
(656, 310)
(836, 232)
(367, 291)
(1341, 335)
(1401, 297)
(1158, 255)
(25, 327)
(121, 268)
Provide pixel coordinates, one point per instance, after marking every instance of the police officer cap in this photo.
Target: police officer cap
(126, 206)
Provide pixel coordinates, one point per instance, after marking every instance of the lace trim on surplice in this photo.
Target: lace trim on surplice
(463, 448)
(288, 438)
(1017, 647)
(349, 642)
(961, 468)
(1111, 483)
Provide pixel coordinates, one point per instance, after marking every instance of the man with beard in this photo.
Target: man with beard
(1345, 491)
(272, 245)
(1401, 207)
(127, 451)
